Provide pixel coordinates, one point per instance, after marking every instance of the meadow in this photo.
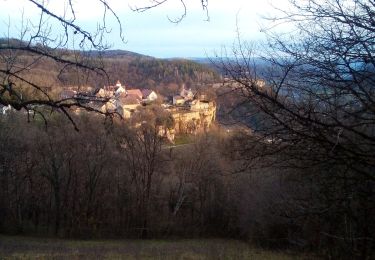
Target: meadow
(16, 247)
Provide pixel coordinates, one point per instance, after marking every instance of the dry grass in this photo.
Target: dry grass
(15, 247)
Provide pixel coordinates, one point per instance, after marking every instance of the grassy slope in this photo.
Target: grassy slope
(49, 248)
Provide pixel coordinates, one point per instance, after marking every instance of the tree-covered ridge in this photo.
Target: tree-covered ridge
(171, 71)
(131, 68)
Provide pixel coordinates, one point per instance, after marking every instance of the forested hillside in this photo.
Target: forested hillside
(165, 76)
(131, 68)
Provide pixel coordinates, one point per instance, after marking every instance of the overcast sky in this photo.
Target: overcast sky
(151, 32)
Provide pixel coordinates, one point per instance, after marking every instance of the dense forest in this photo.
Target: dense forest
(114, 180)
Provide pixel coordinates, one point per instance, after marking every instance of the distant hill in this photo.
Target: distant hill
(119, 54)
(203, 60)
(132, 69)
(211, 61)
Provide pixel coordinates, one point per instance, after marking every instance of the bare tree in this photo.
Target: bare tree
(313, 96)
(156, 3)
(140, 147)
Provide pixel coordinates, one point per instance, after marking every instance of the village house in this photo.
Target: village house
(119, 88)
(128, 101)
(178, 100)
(125, 100)
(149, 95)
(127, 104)
(136, 93)
(186, 94)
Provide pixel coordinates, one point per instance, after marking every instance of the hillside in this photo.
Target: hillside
(131, 68)
(118, 54)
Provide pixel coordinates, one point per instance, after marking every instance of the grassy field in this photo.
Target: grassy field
(15, 247)
(183, 139)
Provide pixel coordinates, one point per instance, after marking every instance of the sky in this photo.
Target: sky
(151, 32)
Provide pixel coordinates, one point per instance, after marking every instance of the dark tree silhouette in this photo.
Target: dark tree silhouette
(313, 95)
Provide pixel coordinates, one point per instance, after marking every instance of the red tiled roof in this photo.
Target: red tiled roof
(146, 92)
(129, 100)
(136, 92)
